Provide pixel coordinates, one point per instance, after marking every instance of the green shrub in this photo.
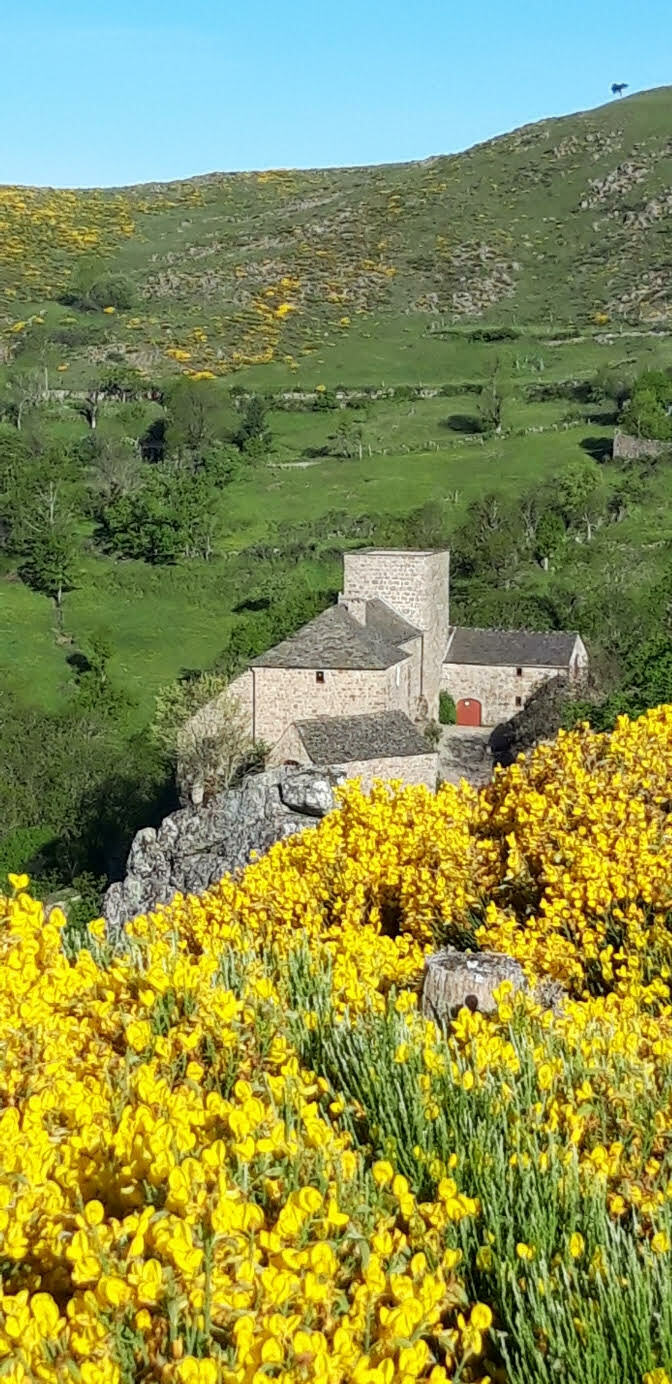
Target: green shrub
(447, 710)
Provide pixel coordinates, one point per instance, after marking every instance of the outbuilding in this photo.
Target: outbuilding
(381, 745)
(490, 673)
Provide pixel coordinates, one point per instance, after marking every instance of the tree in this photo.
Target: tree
(93, 287)
(172, 515)
(490, 405)
(489, 541)
(25, 389)
(648, 411)
(190, 417)
(253, 435)
(49, 565)
(550, 534)
(89, 406)
(579, 495)
(204, 732)
(425, 527)
(122, 382)
(114, 469)
(348, 440)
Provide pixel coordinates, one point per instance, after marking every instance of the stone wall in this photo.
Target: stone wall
(289, 749)
(497, 689)
(410, 769)
(283, 695)
(628, 448)
(417, 586)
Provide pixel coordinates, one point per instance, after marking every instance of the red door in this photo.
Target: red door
(468, 712)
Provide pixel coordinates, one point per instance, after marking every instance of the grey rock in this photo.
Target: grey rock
(194, 847)
(308, 792)
(454, 980)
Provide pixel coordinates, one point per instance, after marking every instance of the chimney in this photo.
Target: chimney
(355, 606)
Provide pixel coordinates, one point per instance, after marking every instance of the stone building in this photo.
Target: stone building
(354, 685)
(376, 745)
(491, 673)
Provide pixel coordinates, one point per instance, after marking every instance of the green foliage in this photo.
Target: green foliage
(170, 517)
(190, 411)
(210, 752)
(254, 435)
(94, 287)
(447, 710)
(550, 533)
(50, 563)
(648, 411)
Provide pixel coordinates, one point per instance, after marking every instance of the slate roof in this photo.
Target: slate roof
(334, 639)
(378, 735)
(511, 648)
(383, 620)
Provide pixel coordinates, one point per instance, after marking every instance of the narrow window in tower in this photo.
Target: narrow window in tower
(319, 677)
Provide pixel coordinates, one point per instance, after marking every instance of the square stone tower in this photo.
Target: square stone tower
(415, 584)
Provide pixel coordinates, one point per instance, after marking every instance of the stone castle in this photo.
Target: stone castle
(357, 685)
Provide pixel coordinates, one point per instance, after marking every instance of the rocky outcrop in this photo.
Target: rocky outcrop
(195, 847)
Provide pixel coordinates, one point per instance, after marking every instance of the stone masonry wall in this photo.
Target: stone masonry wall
(410, 769)
(495, 688)
(629, 448)
(416, 585)
(288, 749)
(283, 695)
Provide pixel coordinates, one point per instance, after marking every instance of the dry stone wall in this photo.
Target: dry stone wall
(628, 448)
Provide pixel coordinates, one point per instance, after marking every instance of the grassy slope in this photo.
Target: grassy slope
(497, 235)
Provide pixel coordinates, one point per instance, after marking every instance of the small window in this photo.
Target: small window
(398, 675)
(319, 677)
(519, 672)
(519, 701)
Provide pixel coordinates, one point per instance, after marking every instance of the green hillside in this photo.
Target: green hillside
(439, 351)
(555, 223)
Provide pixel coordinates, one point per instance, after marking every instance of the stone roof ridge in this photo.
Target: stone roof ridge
(332, 639)
(511, 629)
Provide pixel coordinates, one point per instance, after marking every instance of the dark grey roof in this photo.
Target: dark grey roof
(383, 620)
(334, 639)
(511, 648)
(379, 735)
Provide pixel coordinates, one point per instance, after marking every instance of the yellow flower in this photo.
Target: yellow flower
(19, 882)
(383, 1172)
(481, 1316)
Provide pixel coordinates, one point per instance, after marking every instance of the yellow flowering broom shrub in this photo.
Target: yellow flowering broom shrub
(232, 1150)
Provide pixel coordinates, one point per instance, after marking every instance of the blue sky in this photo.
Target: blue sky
(95, 92)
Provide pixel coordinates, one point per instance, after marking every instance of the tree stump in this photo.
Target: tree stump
(455, 980)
